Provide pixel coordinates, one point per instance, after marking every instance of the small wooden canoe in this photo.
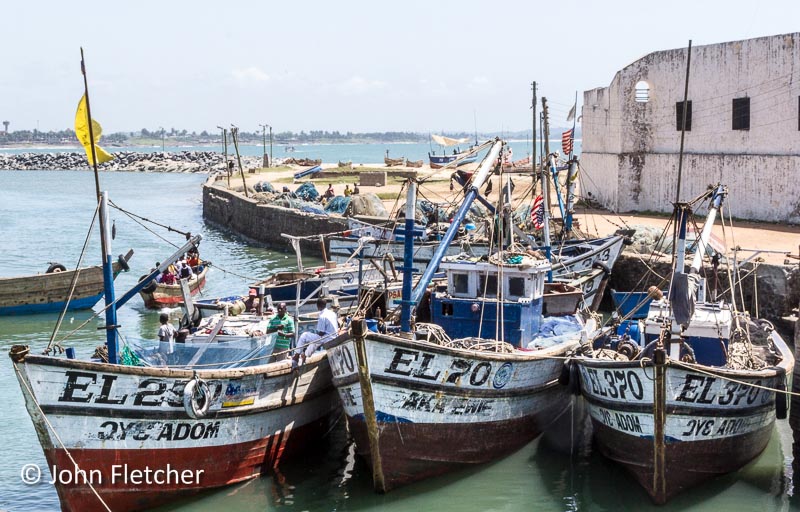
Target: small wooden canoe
(159, 295)
(48, 292)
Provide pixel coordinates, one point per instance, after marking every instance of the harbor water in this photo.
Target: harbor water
(45, 216)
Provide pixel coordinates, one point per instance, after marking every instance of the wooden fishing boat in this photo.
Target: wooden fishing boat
(414, 163)
(393, 162)
(154, 424)
(475, 383)
(160, 295)
(443, 158)
(49, 292)
(687, 388)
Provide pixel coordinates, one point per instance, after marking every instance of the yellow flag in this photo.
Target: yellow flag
(82, 131)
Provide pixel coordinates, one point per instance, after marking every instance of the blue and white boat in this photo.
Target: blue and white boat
(687, 387)
(474, 378)
(444, 158)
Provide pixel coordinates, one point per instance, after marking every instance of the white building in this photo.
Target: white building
(743, 129)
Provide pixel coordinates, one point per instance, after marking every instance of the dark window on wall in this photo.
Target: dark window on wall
(741, 113)
(679, 115)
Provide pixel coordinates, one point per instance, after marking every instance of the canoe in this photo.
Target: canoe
(49, 292)
(159, 295)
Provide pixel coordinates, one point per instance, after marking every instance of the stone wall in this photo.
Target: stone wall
(631, 137)
(265, 223)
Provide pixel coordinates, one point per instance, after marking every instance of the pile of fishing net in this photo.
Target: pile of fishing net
(264, 186)
(337, 204)
(307, 191)
(368, 204)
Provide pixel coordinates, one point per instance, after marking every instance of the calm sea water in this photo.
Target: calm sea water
(44, 217)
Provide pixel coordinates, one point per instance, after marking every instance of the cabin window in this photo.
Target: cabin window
(516, 286)
(679, 115)
(460, 284)
(447, 309)
(488, 285)
(741, 113)
(642, 92)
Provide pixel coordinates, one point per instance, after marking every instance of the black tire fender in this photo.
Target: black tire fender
(56, 267)
(123, 263)
(151, 286)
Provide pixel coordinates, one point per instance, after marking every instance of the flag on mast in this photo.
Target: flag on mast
(566, 142)
(571, 114)
(537, 212)
(82, 132)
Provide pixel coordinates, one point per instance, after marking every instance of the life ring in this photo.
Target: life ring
(56, 267)
(151, 286)
(123, 263)
(196, 398)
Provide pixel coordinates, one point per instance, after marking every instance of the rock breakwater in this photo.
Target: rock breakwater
(183, 161)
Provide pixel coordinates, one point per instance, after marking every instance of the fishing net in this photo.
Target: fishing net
(338, 205)
(368, 204)
(307, 191)
(264, 186)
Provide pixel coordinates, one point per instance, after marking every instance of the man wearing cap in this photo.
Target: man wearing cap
(252, 301)
(283, 324)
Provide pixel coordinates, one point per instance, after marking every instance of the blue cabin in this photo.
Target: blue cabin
(476, 290)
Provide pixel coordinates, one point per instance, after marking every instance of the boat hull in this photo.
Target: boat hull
(48, 293)
(169, 295)
(428, 399)
(120, 423)
(716, 420)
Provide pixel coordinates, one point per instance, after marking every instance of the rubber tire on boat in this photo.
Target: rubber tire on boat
(123, 263)
(196, 398)
(574, 385)
(563, 378)
(780, 399)
(151, 286)
(56, 267)
(602, 265)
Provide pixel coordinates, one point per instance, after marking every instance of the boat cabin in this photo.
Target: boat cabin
(470, 306)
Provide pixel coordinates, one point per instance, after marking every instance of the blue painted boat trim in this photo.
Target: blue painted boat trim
(51, 307)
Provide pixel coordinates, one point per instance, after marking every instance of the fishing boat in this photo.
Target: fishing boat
(443, 158)
(393, 162)
(473, 383)
(159, 295)
(58, 287)
(142, 429)
(687, 387)
(414, 163)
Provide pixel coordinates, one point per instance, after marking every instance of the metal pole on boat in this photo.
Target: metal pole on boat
(548, 249)
(683, 121)
(478, 180)
(533, 144)
(408, 257)
(108, 283)
(718, 195)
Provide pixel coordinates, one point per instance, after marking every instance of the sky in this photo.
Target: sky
(360, 66)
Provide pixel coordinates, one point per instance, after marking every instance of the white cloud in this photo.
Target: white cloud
(479, 83)
(250, 74)
(356, 85)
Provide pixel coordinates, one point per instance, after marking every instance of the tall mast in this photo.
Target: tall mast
(683, 121)
(533, 123)
(105, 237)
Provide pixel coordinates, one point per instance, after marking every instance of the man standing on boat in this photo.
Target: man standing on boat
(166, 335)
(283, 324)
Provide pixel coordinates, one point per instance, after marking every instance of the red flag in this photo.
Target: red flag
(537, 212)
(566, 142)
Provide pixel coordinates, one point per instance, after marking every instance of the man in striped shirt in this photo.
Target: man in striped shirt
(283, 324)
